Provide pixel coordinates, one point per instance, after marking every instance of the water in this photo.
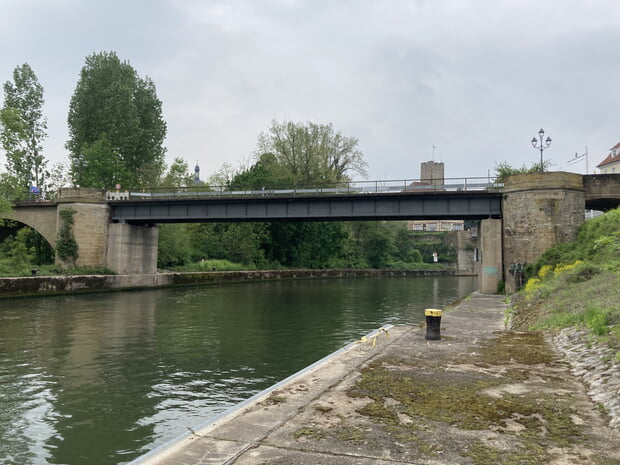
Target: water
(104, 378)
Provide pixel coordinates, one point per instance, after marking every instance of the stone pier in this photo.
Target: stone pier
(539, 211)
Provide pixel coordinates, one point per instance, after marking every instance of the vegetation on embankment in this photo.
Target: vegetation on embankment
(576, 284)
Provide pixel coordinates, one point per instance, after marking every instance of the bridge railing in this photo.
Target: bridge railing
(349, 187)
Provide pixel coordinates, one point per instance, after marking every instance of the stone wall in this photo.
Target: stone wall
(539, 210)
(90, 229)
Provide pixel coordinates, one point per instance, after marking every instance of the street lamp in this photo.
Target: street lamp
(542, 146)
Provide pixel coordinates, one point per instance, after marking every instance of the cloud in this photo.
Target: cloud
(475, 78)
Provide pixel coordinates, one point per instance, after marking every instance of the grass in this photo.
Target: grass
(8, 269)
(577, 285)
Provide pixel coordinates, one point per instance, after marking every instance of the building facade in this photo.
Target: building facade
(611, 164)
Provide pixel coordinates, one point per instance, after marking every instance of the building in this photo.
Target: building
(197, 181)
(611, 164)
(432, 175)
(436, 225)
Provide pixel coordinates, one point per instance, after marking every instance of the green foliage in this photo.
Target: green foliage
(576, 284)
(66, 246)
(173, 248)
(312, 153)
(598, 242)
(177, 174)
(23, 127)
(504, 170)
(112, 107)
(266, 172)
(101, 165)
(217, 265)
(308, 245)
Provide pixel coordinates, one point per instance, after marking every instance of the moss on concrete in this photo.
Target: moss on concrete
(484, 399)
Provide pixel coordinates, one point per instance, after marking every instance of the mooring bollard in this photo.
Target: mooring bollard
(433, 323)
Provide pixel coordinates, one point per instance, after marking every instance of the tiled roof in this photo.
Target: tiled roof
(613, 157)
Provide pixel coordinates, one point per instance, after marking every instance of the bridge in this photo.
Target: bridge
(519, 220)
(355, 201)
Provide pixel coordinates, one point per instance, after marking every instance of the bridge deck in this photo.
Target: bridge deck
(324, 207)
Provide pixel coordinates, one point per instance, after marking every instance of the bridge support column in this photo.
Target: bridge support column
(539, 210)
(132, 249)
(490, 272)
(90, 230)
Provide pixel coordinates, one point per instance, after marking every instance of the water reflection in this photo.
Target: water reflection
(101, 378)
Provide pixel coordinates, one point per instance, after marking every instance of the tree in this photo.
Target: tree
(23, 127)
(100, 165)
(177, 174)
(312, 153)
(112, 108)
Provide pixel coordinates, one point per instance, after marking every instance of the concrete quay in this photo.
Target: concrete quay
(480, 395)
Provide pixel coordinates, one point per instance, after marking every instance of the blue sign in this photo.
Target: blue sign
(35, 190)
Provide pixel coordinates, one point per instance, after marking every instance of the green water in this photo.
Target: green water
(104, 378)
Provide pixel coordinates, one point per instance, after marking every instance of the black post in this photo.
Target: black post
(433, 324)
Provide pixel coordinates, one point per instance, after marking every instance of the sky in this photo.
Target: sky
(464, 82)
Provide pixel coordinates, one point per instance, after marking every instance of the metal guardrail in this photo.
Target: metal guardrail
(351, 187)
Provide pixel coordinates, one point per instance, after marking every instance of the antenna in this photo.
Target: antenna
(578, 158)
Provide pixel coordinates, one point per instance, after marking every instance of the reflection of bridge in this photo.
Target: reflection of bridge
(118, 229)
(387, 200)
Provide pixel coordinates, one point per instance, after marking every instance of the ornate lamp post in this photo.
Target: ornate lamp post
(542, 146)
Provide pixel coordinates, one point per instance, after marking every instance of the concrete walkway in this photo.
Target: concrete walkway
(481, 395)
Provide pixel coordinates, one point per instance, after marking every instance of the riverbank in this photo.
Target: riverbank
(50, 285)
(478, 396)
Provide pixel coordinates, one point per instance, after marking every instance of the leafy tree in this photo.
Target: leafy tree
(223, 177)
(23, 127)
(177, 174)
(266, 172)
(113, 108)
(173, 246)
(308, 244)
(100, 165)
(312, 153)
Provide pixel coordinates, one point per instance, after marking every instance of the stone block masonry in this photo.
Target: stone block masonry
(539, 211)
(90, 229)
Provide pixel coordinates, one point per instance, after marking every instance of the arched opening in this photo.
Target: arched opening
(22, 249)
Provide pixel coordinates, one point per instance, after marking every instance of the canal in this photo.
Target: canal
(103, 378)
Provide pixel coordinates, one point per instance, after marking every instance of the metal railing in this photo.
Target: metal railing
(349, 187)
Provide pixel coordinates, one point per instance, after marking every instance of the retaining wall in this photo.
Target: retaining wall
(48, 285)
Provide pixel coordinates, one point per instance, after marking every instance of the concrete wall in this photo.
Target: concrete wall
(132, 249)
(42, 285)
(539, 210)
(490, 265)
(464, 243)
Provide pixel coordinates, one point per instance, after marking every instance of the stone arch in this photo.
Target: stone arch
(43, 219)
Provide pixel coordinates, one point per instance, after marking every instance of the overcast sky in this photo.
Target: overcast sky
(476, 79)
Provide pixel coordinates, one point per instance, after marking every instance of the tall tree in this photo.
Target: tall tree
(312, 153)
(112, 106)
(23, 127)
